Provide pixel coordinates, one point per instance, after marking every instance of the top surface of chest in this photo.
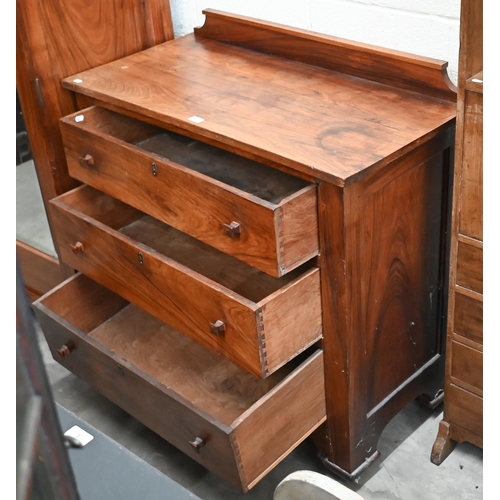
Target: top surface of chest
(320, 122)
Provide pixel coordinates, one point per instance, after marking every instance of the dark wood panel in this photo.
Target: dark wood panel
(468, 320)
(401, 250)
(383, 262)
(337, 439)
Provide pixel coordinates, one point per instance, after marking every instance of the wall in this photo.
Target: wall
(424, 27)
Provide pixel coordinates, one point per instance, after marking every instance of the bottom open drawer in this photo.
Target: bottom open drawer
(234, 424)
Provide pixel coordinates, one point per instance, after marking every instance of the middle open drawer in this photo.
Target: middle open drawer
(257, 321)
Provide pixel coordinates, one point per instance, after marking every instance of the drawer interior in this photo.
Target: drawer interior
(242, 173)
(205, 379)
(219, 267)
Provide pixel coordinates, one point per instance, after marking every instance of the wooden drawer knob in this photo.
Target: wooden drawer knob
(218, 328)
(77, 247)
(197, 444)
(65, 350)
(86, 161)
(233, 230)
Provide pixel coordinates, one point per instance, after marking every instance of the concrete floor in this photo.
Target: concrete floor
(404, 471)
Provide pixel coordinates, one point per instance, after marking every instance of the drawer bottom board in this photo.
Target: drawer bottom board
(233, 423)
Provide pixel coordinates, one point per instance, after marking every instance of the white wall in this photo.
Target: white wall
(424, 27)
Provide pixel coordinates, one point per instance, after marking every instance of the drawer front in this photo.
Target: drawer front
(298, 395)
(470, 267)
(471, 186)
(467, 367)
(257, 336)
(273, 237)
(465, 410)
(468, 317)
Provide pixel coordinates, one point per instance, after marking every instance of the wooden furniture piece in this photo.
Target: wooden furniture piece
(463, 401)
(67, 36)
(264, 195)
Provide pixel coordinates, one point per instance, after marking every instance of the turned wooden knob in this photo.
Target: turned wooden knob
(86, 161)
(77, 247)
(65, 350)
(197, 444)
(218, 328)
(233, 230)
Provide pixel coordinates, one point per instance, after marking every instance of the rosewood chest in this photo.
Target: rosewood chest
(261, 241)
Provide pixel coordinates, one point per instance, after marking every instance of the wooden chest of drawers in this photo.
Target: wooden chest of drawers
(463, 403)
(261, 241)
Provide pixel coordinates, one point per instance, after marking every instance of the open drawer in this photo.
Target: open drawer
(257, 321)
(235, 425)
(258, 214)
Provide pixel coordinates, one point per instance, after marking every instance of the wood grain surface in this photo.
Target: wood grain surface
(276, 212)
(468, 318)
(189, 284)
(57, 38)
(40, 271)
(401, 69)
(463, 407)
(281, 420)
(147, 368)
(383, 269)
(467, 367)
(471, 185)
(154, 404)
(465, 415)
(470, 265)
(377, 143)
(321, 122)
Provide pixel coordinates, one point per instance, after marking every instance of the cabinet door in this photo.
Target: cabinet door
(67, 36)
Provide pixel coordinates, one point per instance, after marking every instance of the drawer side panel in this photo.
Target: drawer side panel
(279, 422)
(298, 239)
(291, 320)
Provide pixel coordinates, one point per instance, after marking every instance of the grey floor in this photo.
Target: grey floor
(404, 471)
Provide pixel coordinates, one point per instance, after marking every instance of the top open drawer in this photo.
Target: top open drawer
(259, 215)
